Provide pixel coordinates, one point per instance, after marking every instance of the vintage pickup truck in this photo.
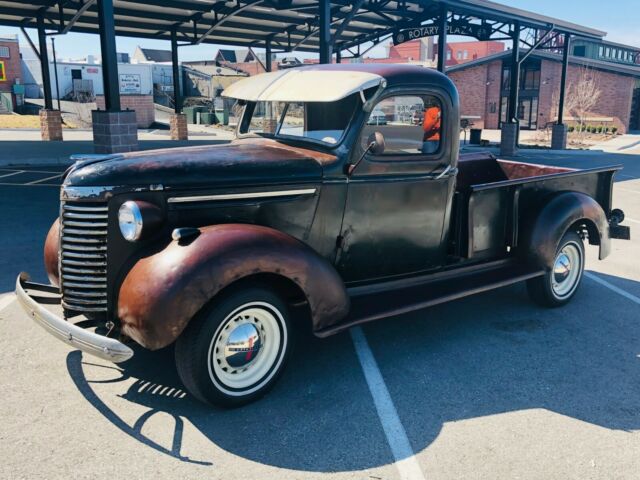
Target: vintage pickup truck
(315, 210)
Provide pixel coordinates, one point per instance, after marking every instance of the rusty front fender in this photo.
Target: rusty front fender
(51, 249)
(164, 290)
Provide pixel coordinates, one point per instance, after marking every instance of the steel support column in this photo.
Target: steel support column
(338, 56)
(44, 62)
(109, 56)
(510, 130)
(55, 69)
(267, 52)
(324, 33)
(175, 67)
(514, 76)
(563, 79)
(442, 39)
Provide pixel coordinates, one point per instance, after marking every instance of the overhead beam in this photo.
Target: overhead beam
(69, 25)
(239, 9)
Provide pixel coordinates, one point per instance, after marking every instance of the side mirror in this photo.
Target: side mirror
(376, 143)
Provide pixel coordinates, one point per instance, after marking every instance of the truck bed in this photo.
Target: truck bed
(493, 195)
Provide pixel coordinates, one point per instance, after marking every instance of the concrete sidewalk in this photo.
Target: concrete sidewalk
(24, 147)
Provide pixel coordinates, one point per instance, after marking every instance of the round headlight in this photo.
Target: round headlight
(130, 221)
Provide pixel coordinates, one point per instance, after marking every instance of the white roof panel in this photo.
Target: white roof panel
(301, 85)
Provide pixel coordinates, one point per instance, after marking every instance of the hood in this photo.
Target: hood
(246, 162)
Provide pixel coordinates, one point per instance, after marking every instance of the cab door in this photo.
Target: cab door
(398, 203)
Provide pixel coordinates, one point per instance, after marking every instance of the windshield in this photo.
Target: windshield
(325, 122)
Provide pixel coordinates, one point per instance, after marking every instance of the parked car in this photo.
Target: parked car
(377, 118)
(343, 221)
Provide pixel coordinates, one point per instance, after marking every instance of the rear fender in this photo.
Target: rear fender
(564, 211)
(164, 290)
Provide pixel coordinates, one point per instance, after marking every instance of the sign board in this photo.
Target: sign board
(467, 29)
(92, 70)
(130, 84)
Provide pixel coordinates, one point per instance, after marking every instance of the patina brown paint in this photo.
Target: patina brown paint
(166, 289)
(51, 249)
(516, 170)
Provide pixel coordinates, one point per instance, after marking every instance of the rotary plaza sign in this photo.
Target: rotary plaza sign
(481, 32)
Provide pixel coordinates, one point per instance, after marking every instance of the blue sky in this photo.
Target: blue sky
(620, 18)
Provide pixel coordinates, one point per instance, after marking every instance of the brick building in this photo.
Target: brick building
(484, 89)
(463, 52)
(10, 71)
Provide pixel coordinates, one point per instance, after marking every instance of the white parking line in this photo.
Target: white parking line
(405, 460)
(632, 220)
(612, 287)
(43, 179)
(6, 300)
(11, 174)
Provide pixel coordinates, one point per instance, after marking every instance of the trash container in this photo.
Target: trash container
(207, 118)
(222, 116)
(190, 113)
(475, 136)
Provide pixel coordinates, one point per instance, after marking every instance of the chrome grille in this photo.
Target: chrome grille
(83, 256)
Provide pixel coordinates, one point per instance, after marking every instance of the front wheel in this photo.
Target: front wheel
(232, 353)
(556, 287)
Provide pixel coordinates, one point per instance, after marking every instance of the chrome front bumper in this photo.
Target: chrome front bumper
(89, 342)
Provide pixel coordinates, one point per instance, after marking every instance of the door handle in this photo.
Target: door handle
(446, 172)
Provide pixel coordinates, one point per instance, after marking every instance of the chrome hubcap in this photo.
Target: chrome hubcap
(566, 271)
(247, 348)
(562, 268)
(243, 346)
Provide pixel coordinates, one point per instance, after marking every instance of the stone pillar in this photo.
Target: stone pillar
(559, 137)
(178, 127)
(509, 139)
(114, 132)
(51, 125)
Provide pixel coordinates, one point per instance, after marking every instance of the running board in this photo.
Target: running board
(390, 303)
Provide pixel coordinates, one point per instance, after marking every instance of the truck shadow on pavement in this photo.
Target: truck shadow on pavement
(484, 355)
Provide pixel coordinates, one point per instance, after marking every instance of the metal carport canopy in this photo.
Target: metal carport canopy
(286, 24)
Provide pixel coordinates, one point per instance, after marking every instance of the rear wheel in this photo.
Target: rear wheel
(233, 352)
(556, 287)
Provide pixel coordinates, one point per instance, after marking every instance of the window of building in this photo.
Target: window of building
(465, 54)
(607, 52)
(530, 79)
(580, 50)
(506, 78)
(601, 51)
(459, 55)
(448, 54)
(412, 124)
(4, 52)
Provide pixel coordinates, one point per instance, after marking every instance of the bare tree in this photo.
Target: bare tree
(569, 104)
(584, 94)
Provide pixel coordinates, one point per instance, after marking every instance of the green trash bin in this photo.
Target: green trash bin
(207, 118)
(190, 113)
(222, 116)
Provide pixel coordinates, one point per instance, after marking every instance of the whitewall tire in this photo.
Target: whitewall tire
(233, 351)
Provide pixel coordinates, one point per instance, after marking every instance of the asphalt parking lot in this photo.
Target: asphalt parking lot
(490, 386)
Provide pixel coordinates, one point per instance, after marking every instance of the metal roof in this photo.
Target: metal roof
(289, 24)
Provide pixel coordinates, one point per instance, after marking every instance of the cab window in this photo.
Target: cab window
(410, 124)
